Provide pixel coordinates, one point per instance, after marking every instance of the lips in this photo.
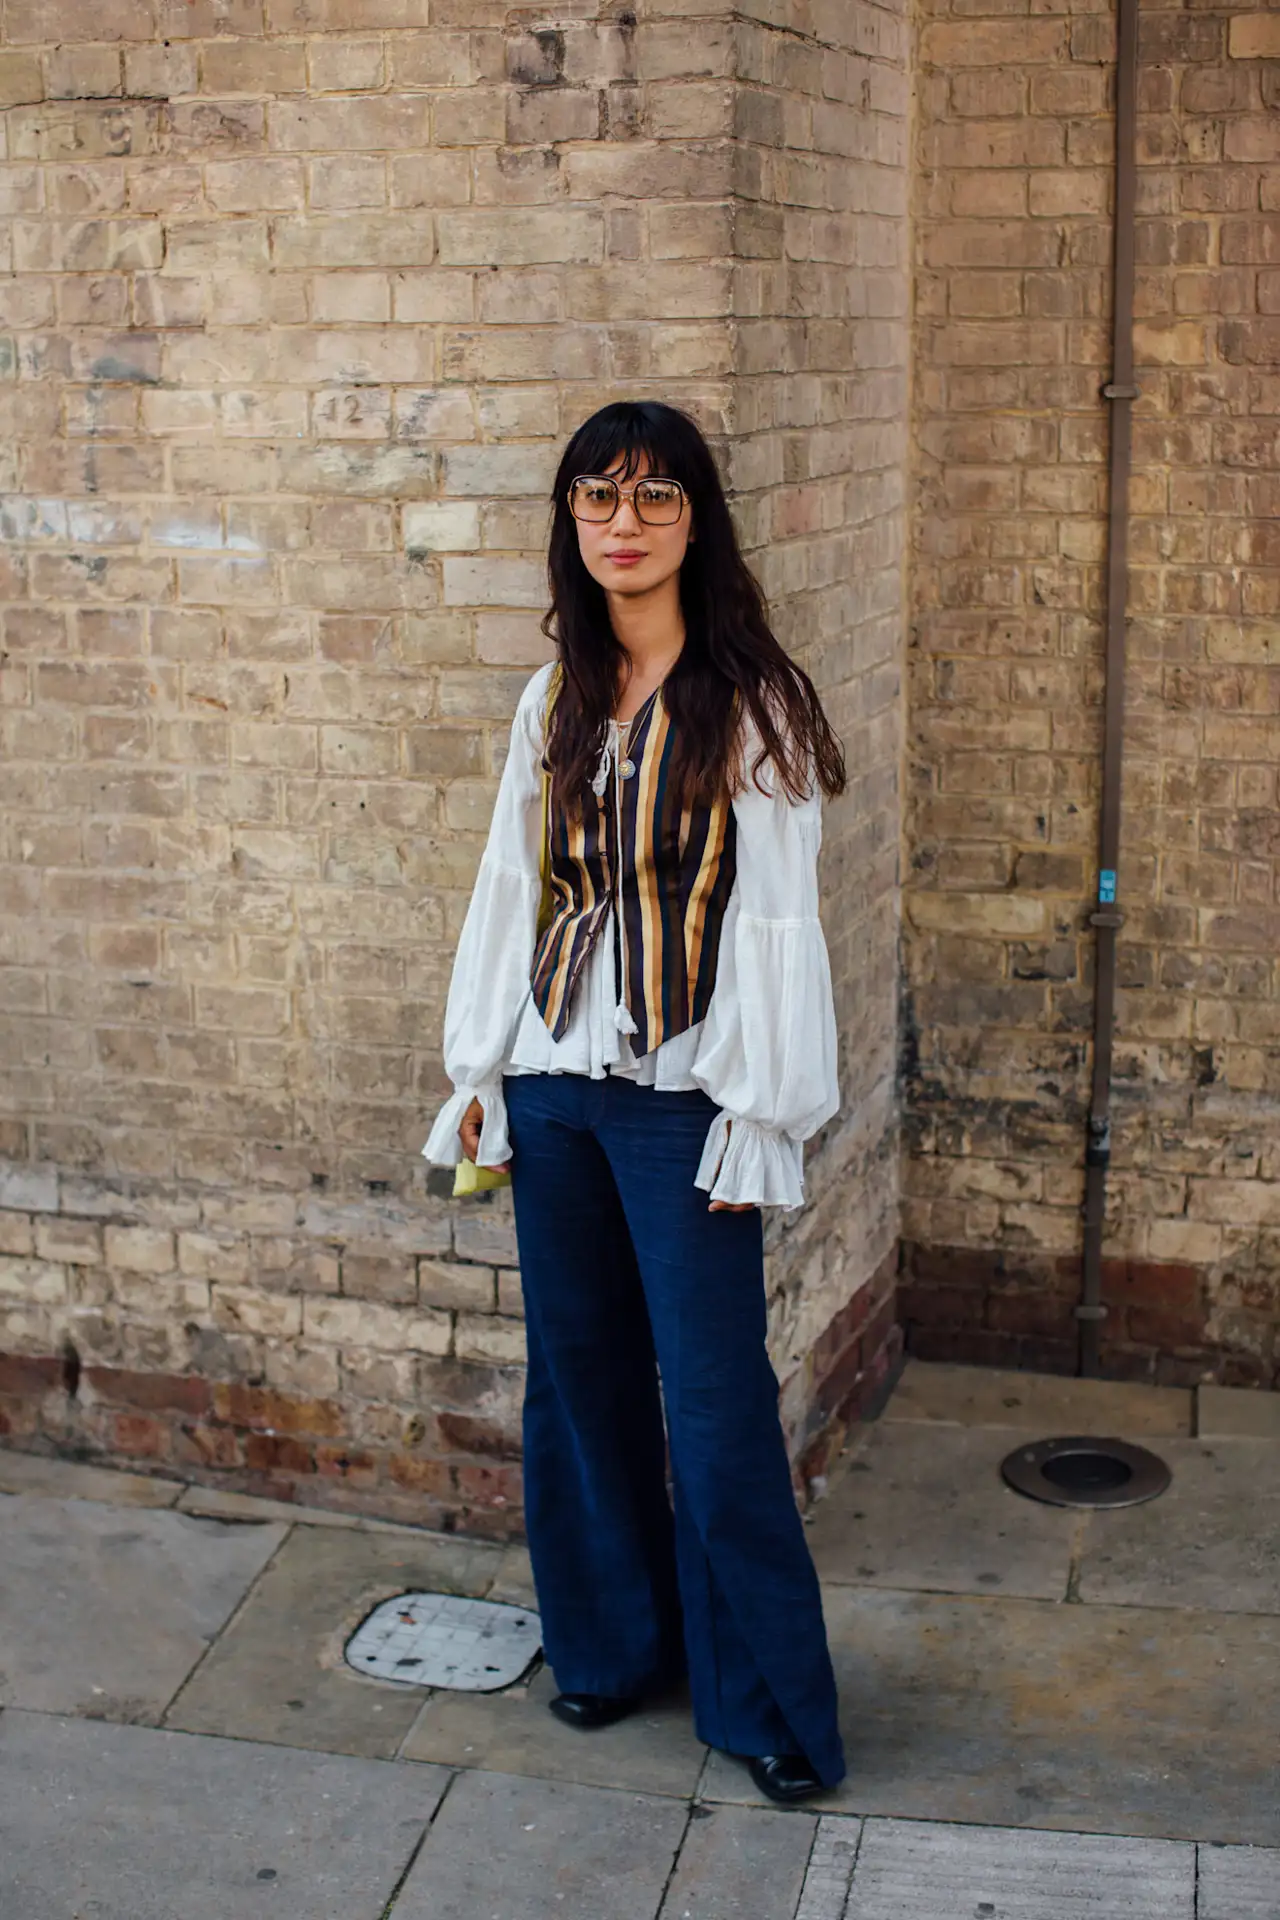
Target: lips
(624, 557)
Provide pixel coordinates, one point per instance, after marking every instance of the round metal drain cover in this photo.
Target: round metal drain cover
(1080, 1471)
(445, 1640)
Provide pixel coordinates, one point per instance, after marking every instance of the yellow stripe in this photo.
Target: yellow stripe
(700, 893)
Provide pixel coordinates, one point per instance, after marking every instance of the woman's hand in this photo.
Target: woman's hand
(469, 1132)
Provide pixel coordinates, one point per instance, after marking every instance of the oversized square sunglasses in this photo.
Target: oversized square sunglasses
(658, 502)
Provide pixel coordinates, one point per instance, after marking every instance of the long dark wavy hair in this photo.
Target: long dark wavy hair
(731, 666)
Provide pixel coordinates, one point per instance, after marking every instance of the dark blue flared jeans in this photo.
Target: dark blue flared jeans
(628, 1276)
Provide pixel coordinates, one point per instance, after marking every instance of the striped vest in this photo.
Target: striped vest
(674, 868)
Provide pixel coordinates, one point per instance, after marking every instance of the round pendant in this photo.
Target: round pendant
(627, 768)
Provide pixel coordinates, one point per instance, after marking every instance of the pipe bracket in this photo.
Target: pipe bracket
(1113, 392)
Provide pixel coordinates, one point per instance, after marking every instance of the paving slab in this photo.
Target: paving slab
(512, 1732)
(738, 1863)
(1237, 1413)
(1212, 1541)
(1025, 1714)
(76, 1480)
(131, 1823)
(830, 1870)
(504, 1849)
(222, 1503)
(1047, 1402)
(925, 1507)
(1239, 1883)
(278, 1672)
(104, 1611)
(908, 1871)
(513, 1581)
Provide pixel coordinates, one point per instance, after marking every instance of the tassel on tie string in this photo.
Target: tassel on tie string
(622, 1019)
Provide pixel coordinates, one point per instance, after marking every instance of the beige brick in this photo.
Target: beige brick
(209, 1258)
(443, 1283)
(485, 1338)
(1254, 36)
(440, 178)
(17, 1234)
(430, 297)
(510, 1295)
(345, 64)
(978, 913)
(252, 186)
(247, 1310)
(364, 1324)
(351, 297)
(494, 582)
(545, 116)
(1181, 345)
(74, 1242)
(139, 1249)
(339, 181)
(42, 1283)
(1073, 192)
(199, 246)
(693, 232)
(354, 123)
(451, 526)
(370, 1276)
(993, 43)
(434, 59)
(21, 81)
(257, 66)
(499, 470)
(355, 240)
(472, 117)
(521, 239)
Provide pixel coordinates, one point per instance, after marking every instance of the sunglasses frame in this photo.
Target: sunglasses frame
(624, 493)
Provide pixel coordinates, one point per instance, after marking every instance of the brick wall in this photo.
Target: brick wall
(304, 302)
(817, 461)
(1014, 172)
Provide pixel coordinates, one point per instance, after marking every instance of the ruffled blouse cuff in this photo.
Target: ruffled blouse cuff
(757, 1167)
(444, 1145)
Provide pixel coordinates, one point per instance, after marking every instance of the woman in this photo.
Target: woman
(647, 1039)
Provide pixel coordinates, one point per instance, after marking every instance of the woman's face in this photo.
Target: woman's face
(628, 555)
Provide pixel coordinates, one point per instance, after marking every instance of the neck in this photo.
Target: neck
(649, 627)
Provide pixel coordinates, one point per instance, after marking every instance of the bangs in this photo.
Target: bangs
(631, 433)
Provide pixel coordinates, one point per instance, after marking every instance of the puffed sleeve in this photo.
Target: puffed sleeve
(490, 980)
(768, 1051)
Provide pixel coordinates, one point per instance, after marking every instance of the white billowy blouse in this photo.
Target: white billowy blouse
(766, 1052)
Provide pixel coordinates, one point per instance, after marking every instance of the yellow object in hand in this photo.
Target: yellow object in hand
(469, 1178)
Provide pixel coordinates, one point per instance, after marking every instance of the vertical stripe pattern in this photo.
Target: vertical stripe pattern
(673, 868)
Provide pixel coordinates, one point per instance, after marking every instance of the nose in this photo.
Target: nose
(626, 520)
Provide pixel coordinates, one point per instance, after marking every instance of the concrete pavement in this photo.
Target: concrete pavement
(1047, 1714)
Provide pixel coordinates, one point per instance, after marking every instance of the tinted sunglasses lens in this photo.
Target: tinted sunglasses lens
(593, 499)
(659, 502)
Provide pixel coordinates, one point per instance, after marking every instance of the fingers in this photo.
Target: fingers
(470, 1129)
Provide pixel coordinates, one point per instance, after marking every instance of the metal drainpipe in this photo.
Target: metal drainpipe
(1107, 917)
